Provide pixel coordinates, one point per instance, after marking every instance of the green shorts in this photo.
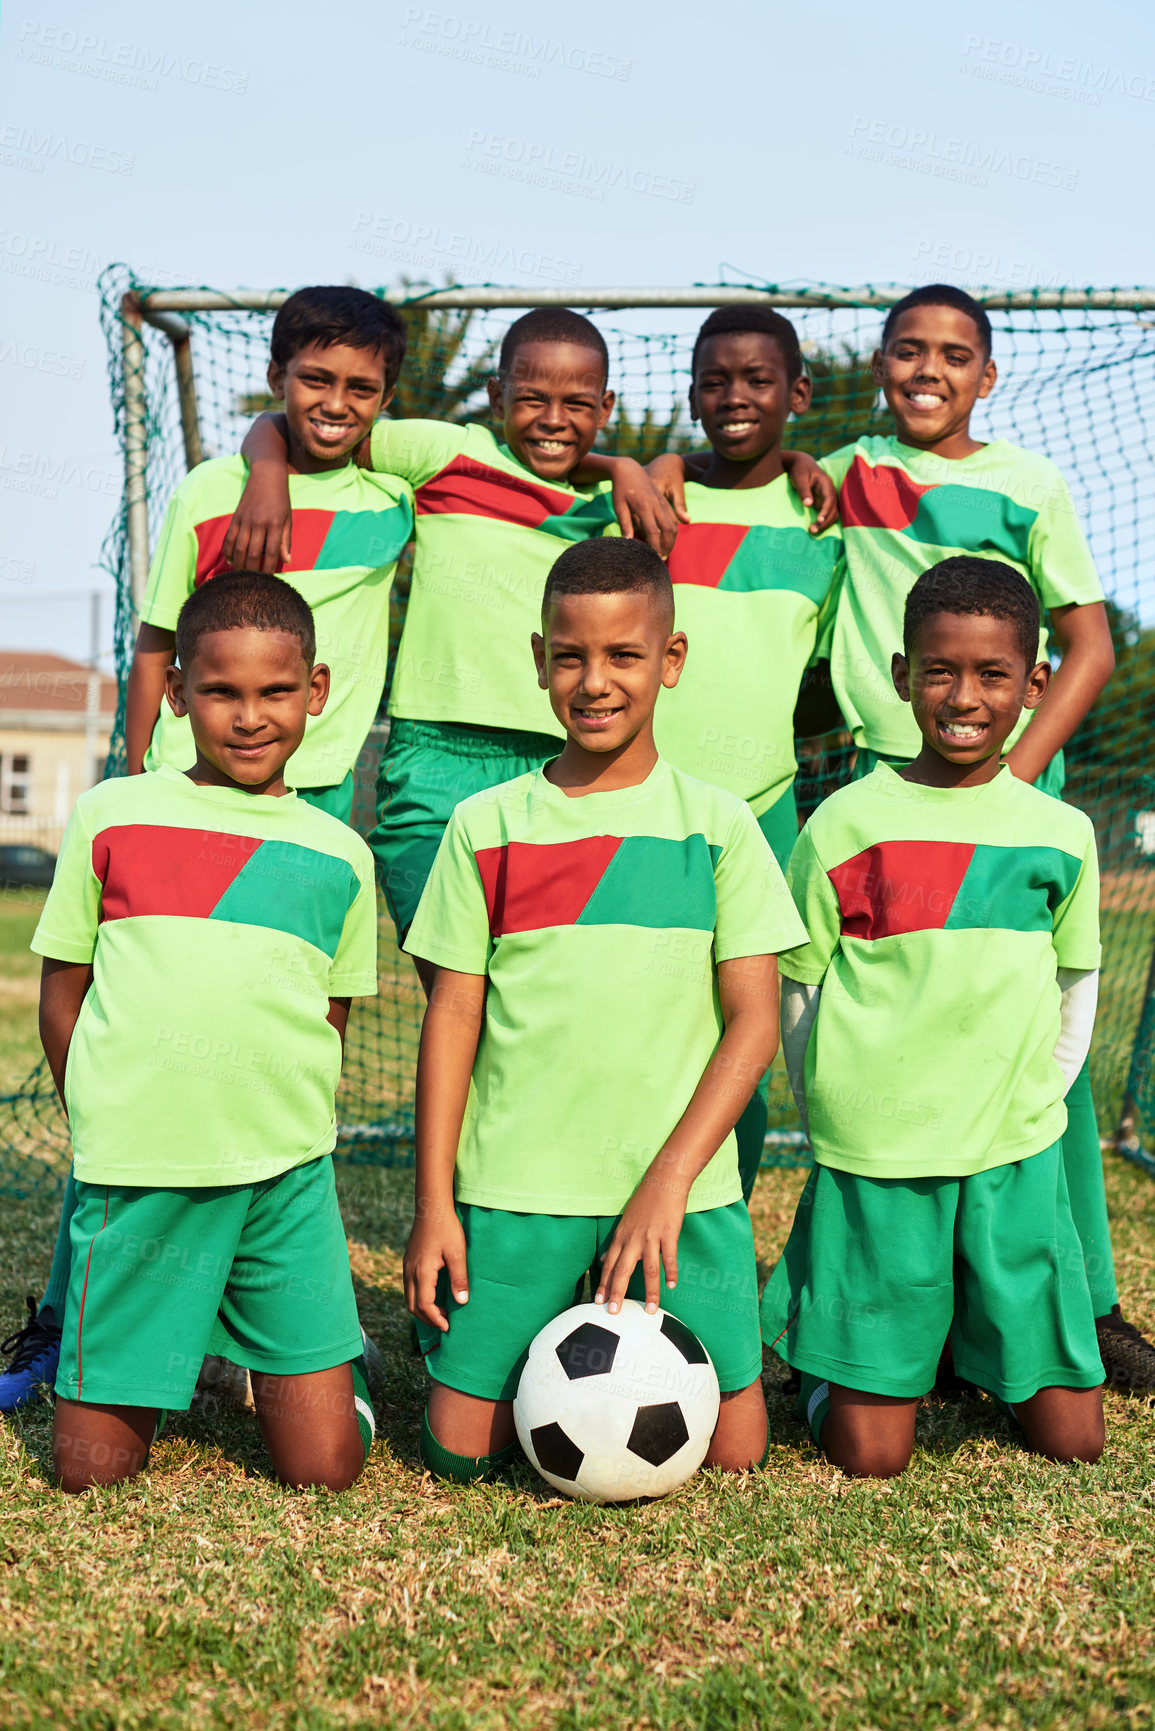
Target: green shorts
(525, 1269)
(878, 1273)
(258, 1273)
(337, 801)
(1052, 781)
(428, 768)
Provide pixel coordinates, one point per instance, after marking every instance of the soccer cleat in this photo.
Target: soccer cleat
(1128, 1356)
(35, 1354)
(222, 1383)
(374, 1367)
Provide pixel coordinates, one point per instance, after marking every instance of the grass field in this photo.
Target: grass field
(984, 1589)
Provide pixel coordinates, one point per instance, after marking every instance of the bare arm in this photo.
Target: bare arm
(63, 986)
(449, 1036)
(648, 1229)
(1084, 638)
(260, 535)
(338, 1016)
(155, 649)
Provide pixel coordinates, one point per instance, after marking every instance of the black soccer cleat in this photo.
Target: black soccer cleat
(1128, 1356)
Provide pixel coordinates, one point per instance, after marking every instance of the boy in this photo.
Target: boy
(602, 933)
(335, 357)
(492, 515)
(932, 1023)
(203, 937)
(753, 588)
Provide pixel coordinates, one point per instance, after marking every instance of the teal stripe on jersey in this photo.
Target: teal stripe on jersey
(586, 517)
(369, 538)
(769, 558)
(652, 881)
(1017, 889)
(294, 889)
(976, 518)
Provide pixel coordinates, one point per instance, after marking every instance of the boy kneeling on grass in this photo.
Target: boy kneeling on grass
(203, 937)
(603, 932)
(931, 1026)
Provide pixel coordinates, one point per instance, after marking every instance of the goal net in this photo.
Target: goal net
(1076, 382)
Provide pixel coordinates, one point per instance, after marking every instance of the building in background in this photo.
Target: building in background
(56, 719)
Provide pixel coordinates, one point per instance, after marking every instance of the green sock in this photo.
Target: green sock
(813, 1403)
(366, 1423)
(462, 1469)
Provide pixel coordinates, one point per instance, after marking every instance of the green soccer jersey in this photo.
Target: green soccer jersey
(903, 511)
(349, 529)
(599, 922)
(751, 585)
(488, 531)
(218, 925)
(937, 919)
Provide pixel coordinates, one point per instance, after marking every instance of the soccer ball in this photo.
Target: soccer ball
(615, 1407)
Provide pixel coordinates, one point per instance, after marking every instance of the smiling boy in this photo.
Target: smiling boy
(754, 586)
(602, 935)
(335, 357)
(932, 1024)
(203, 937)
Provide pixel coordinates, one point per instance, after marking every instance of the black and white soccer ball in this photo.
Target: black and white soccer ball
(615, 1407)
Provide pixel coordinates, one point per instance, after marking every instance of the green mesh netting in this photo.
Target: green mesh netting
(1078, 386)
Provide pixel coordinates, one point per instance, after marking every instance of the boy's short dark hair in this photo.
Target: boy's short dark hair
(552, 325)
(244, 601)
(609, 566)
(968, 584)
(339, 315)
(768, 323)
(942, 294)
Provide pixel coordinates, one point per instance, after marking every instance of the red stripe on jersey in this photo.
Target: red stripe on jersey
(703, 551)
(471, 489)
(149, 868)
(309, 531)
(878, 496)
(529, 885)
(900, 886)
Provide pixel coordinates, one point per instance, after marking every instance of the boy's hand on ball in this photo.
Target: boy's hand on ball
(647, 1233)
(436, 1242)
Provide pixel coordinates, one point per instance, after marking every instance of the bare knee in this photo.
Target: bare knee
(99, 1445)
(869, 1436)
(864, 1457)
(739, 1439)
(1065, 1424)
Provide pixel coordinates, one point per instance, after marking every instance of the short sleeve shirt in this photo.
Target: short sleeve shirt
(937, 920)
(903, 511)
(751, 585)
(349, 529)
(600, 923)
(218, 924)
(488, 531)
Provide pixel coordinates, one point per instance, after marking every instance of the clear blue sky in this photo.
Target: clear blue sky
(259, 145)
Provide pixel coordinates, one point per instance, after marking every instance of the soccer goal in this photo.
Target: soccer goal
(1076, 382)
